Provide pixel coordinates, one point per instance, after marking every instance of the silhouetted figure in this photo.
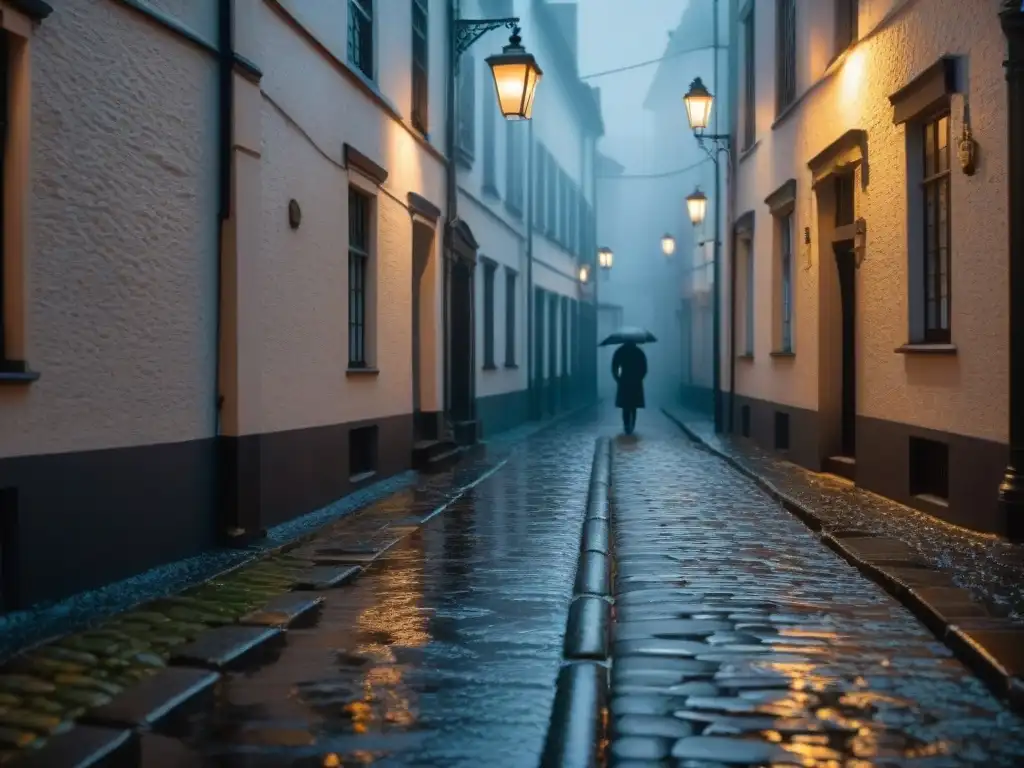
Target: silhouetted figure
(629, 368)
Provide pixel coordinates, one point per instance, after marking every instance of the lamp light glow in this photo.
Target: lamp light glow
(605, 258)
(668, 244)
(697, 206)
(584, 273)
(516, 76)
(698, 101)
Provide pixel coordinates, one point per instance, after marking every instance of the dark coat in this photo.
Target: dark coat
(629, 367)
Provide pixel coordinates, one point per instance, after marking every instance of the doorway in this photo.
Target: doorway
(423, 335)
(461, 341)
(846, 266)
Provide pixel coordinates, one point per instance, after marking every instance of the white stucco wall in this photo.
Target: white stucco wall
(306, 270)
(965, 393)
(122, 251)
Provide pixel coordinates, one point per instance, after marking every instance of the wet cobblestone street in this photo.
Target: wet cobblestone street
(443, 653)
(741, 640)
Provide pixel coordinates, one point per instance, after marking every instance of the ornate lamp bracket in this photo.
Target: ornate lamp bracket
(468, 31)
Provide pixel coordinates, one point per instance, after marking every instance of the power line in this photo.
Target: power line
(628, 67)
(665, 174)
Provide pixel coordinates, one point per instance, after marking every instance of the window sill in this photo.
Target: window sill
(491, 191)
(745, 356)
(786, 111)
(748, 151)
(464, 157)
(513, 208)
(362, 371)
(16, 372)
(490, 367)
(925, 348)
(783, 354)
(511, 366)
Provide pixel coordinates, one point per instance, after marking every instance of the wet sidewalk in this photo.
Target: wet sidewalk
(742, 640)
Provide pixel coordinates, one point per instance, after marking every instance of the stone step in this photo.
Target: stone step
(226, 647)
(321, 577)
(286, 611)
(86, 746)
(156, 699)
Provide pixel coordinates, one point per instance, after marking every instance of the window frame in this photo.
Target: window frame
(510, 317)
(420, 112)
(359, 260)
(785, 54)
(362, 29)
(786, 224)
(936, 332)
(749, 78)
(489, 272)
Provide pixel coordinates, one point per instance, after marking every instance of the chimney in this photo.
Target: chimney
(565, 16)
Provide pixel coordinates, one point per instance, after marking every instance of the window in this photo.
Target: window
(935, 187)
(514, 171)
(846, 207)
(748, 318)
(749, 81)
(551, 198)
(465, 135)
(574, 218)
(420, 68)
(510, 318)
(786, 283)
(490, 109)
(785, 54)
(489, 269)
(846, 24)
(358, 275)
(540, 185)
(360, 35)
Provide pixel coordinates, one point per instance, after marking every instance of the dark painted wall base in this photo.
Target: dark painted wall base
(499, 413)
(701, 399)
(883, 461)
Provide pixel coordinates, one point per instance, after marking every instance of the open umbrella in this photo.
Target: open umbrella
(629, 333)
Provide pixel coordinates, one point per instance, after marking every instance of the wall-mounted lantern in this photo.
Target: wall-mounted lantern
(516, 76)
(697, 206)
(668, 244)
(584, 274)
(605, 258)
(698, 101)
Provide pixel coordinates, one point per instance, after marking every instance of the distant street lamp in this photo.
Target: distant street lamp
(605, 258)
(516, 75)
(584, 274)
(698, 101)
(697, 206)
(668, 244)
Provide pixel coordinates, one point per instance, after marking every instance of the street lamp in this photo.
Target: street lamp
(584, 273)
(516, 75)
(697, 206)
(605, 257)
(668, 244)
(698, 101)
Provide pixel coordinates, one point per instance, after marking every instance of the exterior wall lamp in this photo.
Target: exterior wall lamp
(605, 258)
(668, 244)
(584, 274)
(516, 76)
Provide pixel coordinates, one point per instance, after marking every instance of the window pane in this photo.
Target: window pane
(943, 213)
(942, 141)
(929, 150)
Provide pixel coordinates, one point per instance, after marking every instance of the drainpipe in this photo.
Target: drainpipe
(452, 193)
(732, 332)
(530, 394)
(1011, 491)
(226, 128)
(591, 259)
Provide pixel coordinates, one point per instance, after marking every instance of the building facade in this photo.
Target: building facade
(870, 325)
(526, 190)
(224, 290)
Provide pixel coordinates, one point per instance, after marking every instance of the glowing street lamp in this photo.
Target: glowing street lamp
(516, 75)
(697, 206)
(584, 273)
(605, 257)
(698, 101)
(668, 244)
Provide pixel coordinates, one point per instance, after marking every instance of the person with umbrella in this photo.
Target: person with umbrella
(629, 369)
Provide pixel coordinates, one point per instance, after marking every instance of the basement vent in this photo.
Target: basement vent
(362, 452)
(745, 421)
(929, 468)
(781, 431)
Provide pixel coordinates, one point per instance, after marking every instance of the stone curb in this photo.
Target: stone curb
(987, 645)
(576, 731)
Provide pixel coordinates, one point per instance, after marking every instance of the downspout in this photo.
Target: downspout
(529, 270)
(732, 330)
(592, 354)
(226, 128)
(716, 319)
(451, 189)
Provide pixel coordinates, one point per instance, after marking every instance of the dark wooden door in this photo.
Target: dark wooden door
(848, 310)
(461, 342)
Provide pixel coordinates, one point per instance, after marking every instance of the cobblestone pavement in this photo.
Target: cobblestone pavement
(992, 569)
(443, 654)
(741, 640)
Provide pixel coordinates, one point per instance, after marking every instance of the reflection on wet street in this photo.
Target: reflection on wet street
(442, 654)
(741, 640)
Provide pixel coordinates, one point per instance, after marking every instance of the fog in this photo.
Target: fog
(650, 163)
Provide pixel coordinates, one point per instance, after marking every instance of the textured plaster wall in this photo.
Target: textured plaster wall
(121, 261)
(306, 270)
(965, 394)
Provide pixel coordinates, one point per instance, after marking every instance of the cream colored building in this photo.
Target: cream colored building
(870, 333)
(222, 269)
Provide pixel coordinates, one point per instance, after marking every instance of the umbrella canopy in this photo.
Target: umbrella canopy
(629, 333)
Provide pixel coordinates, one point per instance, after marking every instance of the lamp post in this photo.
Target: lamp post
(698, 101)
(516, 76)
(1011, 490)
